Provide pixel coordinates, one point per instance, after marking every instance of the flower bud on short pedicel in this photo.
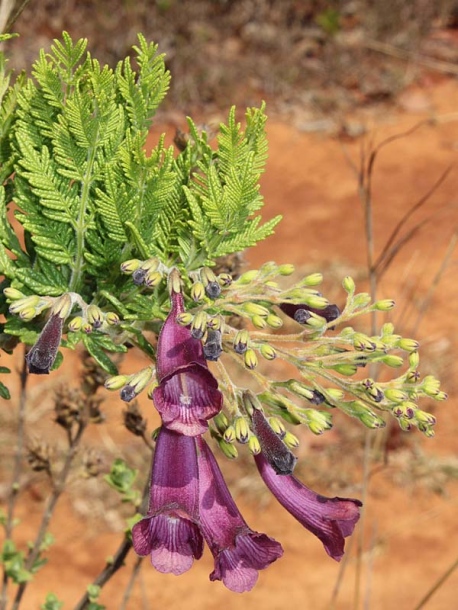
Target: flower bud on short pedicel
(273, 448)
(43, 354)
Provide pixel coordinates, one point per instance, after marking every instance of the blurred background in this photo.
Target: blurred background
(340, 79)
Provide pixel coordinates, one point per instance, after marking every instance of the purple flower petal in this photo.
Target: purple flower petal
(330, 519)
(176, 346)
(43, 354)
(170, 534)
(239, 552)
(187, 395)
(187, 399)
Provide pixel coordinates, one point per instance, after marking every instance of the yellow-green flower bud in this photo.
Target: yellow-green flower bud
(314, 279)
(221, 422)
(28, 313)
(291, 440)
(315, 321)
(241, 341)
(277, 426)
(31, 301)
(152, 264)
(300, 389)
(371, 420)
(334, 394)
(242, 430)
(185, 318)
(384, 305)
(348, 285)
(112, 318)
(317, 421)
(258, 322)
(94, 316)
(199, 325)
(229, 450)
(316, 302)
(128, 267)
(207, 276)
(13, 294)
(271, 284)
(392, 360)
(408, 345)
(229, 434)
(174, 281)
(274, 321)
(248, 277)
(197, 292)
(214, 323)
(395, 395)
(140, 380)
(361, 300)
(362, 343)
(225, 279)
(286, 269)
(75, 324)
(268, 352)
(425, 418)
(254, 446)
(152, 279)
(255, 310)
(116, 383)
(250, 359)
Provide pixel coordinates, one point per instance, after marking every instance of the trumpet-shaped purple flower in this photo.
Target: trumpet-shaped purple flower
(43, 354)
(330, 519)
(239, 552)
(187, 395)
(170, 534)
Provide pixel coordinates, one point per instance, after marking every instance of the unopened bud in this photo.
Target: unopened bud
(345, 369)
(213, 290)
(395, 395)
(112, 318)
(250, 359)
(363, 343)
(273, 448)
(334, 394)
(207, 276)
(229, 449)
(221, 422)
(384, 305)
(348, 285)
(229, 434)
(128, 267)
(94, 316)
(28, 313)
(291, 440)
(286, 269)
(312, 280)
(152, 264)
(259, 322)
(267, 351)
(225, 279)
(75, 324)
(242, 430)
(414, 360)
(12, 294)
(248, 277)
(241, 341)
(408, 345)
(199, 325)
(184, 319)
(254, 446)
(316, 302)
(116, 382)
(277, 426)
(25, 303)
(274, 321)
(197, 292)
(152, 279)
(392, 360)
(361, 300)
(254, 309)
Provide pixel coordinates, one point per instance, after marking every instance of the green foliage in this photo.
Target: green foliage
(51, 603)
(14, 563)
(122, 478)
(90, 196)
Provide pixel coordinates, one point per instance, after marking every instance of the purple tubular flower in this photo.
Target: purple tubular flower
(239, 552)
(170, 534)
(43, 354)
(330, 313)
(187, 395)
(330, 519)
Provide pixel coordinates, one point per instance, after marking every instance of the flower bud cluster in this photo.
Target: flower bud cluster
(147, 273)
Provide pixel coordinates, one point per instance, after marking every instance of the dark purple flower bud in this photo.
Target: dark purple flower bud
(127, 393)
(170, 534)
(299, 312)
(318, 398)
(239, 552)
(212, 346)
(213, 290)
(187, 395)
(138, 276)
(274, 449)
(330, 519)
(43, 354)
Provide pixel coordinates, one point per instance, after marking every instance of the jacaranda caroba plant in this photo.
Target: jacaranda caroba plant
(108, 246)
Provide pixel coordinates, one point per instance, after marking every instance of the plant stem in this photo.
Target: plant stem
(133, 577)
(110, 569)
(437, 585)
(15, 488)
(58, 488)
